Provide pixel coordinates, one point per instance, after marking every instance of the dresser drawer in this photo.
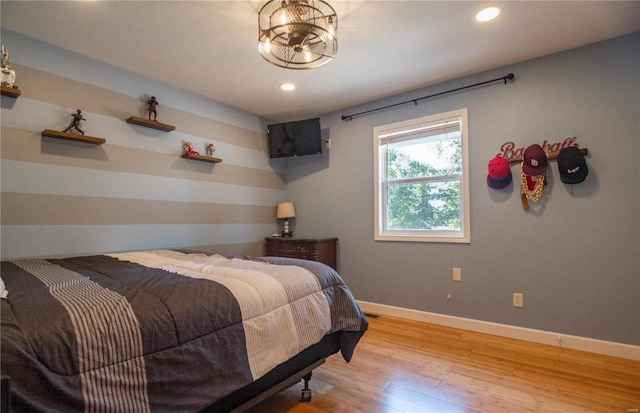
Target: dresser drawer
(314, 249)
(290, 249)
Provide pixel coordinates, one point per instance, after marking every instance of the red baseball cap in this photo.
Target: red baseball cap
(499, 173)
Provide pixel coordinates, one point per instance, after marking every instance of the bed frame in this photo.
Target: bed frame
(298, 368)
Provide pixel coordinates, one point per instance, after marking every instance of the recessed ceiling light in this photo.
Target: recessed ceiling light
(487, 14)
(287, 86)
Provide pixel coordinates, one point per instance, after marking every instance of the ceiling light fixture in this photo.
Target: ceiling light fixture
(297, 34)
(287, 87)
(487, 14)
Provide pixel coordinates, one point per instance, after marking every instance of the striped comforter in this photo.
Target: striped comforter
(155, 331)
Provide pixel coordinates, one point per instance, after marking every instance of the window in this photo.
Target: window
(422, 182)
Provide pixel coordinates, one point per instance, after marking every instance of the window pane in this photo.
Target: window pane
(422, 184)
(424, 206)
(428, 157)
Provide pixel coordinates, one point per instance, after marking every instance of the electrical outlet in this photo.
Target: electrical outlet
(518, 300)
(457, 274)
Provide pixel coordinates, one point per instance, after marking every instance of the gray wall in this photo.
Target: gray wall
(574, 255)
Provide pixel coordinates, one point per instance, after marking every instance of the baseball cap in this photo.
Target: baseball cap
(572, 166)
(499, 173)
(535, 161)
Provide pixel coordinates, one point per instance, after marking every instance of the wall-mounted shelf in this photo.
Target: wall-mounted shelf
(72, 137)
(202, 158)
(150, 124)
(10, 91)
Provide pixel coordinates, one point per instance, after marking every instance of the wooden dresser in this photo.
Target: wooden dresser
(314, 249)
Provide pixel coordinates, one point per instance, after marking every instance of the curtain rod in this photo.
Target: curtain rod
(510, 76)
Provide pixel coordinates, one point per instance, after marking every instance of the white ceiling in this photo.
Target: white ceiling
(385, 47)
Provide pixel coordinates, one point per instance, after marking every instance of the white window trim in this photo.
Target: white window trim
(463, 236)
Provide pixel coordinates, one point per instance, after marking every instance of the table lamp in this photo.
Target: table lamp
(286, 211)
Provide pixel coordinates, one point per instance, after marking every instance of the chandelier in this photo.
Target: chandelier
(297, 34)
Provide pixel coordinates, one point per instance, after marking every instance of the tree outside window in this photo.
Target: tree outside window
(421, 179)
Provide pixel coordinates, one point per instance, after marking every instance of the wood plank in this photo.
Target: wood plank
(408, 366)
(150, 124)
(201, 158)
(13, 92)
(73, 137)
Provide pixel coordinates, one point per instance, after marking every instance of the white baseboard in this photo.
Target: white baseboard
(608, 348)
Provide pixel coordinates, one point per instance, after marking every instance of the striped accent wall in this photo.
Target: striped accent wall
(135, 191)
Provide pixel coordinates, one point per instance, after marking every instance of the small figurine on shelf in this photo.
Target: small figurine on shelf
(189, 150)
(210, 149)
(75, 123)
(153, 103)
(8, 74)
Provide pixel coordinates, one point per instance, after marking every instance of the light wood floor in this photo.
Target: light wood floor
(408, 366)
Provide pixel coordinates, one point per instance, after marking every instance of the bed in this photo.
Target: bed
(167, 331)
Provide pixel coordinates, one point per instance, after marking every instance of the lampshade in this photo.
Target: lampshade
(285, 210)
(297, 34)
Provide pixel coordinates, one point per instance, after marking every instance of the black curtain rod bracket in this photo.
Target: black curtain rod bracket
(506, 78)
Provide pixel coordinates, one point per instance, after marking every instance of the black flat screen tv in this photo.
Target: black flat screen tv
(298, 138)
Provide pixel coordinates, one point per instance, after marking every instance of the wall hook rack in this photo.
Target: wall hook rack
(550, 156)
(553, 155)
